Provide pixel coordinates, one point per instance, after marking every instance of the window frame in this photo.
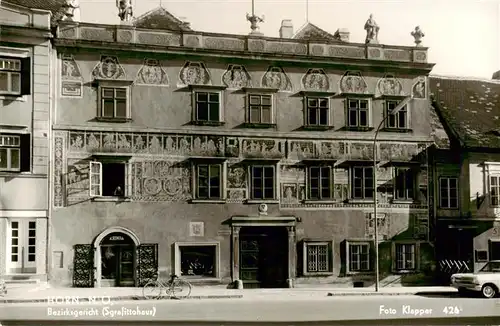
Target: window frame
(490, 189)
(329, 256)
(361, 242)
(405, 109)
(209, 89)
(368, 112)
(416, 257)
(10, 73)
(331, 183)
(127, 180)
(115, 85)
(9, 149)
(307, 108)
(413, 179)
(364, 187)
(271, 107)
(251, 183)
(196, 175)
(25, 56)
(178, 259)
(448, 192)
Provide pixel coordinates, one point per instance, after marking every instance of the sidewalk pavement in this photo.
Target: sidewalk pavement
(46, 293)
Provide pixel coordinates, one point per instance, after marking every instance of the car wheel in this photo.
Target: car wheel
(488, 291)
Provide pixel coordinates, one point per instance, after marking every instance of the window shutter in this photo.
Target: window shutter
(25, 163)
(25, 76)
(95, 173)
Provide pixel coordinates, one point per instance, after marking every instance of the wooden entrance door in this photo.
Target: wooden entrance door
(264, 257)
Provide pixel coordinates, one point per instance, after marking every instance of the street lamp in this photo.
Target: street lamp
(401, 105)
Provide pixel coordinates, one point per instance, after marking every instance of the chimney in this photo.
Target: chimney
(286, 29)
(342, 34)
(496, 75)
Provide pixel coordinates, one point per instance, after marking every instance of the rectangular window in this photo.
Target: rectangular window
(494, 250)
(10, 153)
(197, 260)
(317, 257)
(448, 192)
(207, 106)
(359, 257)
(358, 113)
(362, 182)
(260, 108)
(495, 190)
(208, 181)
(107, 179)
(262, 182)
(10, 76)
(404, 187)
(320, 183)
(317, 111)
(398, 120)
(405, 256)
(114, 102)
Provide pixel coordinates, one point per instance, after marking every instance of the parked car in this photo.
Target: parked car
(486, 281)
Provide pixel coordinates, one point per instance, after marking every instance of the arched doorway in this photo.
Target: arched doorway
(115, 258)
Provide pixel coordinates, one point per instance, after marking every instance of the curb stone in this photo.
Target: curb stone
(331, 294)
(131, 297)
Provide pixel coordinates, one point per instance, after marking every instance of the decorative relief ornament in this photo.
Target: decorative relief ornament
(316, 79)
(389, 85)
(152, 74)
(236, 76)
(353, 82)
(275, 77)
(71, 77)
(108, 68)
(419, 88)
(194, 73)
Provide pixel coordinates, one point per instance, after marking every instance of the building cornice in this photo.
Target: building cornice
(9, 30)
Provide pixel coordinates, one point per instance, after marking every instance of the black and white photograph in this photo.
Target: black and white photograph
(249, 162)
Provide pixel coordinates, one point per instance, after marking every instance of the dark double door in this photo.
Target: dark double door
(264, 257)
(118, 265)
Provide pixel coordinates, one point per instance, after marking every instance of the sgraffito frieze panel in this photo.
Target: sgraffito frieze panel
(292, 179)
(194, 73)
(360, 151)
(71, 77)
(275, 77)
(301, 150)
(298, 150)
(236, 76)
(262, 148)
(160, 180)
(390, 85)
(316, 79)
(151, 74)
(419, 89)
(141, 143)
(353, 83)
(341, 184)
(383, 226)
(77, 181)
(420, 226)
(398, 152)
(58, 171)
(237, 183)
(108, 68)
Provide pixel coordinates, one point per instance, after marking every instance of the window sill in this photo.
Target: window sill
(198, 279)
(403, 201)
(319, 201)
(114, 120)
(449, 208)
(208, 123)
(207, 201)
(262, 201)
(309, 274)
(406, 271)
(111, 199)
(361, 273)
(348, 128)
(398, 130)
(259, 125)
(18, 98)
(360, 201)
(316, 128)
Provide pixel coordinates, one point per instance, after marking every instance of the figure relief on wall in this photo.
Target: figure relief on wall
(71, 77)
(398, 152)
(389, 85)
(236, 76)
(419, 88)
(208, 146)
(301, 149)
(353, 83)
(108, 68)
(262, 148)
(194, 73)
(275, 77)
(332, 149)
(236, 177)
(232, 147)
(382, 225)
(152, 74)
(316, 79)
(289, 193)
(361, 151)
(292, 173)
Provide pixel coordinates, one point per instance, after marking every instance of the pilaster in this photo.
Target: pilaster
(235, 236)
(292, 256)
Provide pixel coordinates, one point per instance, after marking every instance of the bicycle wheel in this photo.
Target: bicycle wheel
(152, 290)
(180, 289)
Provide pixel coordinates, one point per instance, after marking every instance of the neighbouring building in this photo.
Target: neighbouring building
(226, 158)
(466, 165)
(25, 48)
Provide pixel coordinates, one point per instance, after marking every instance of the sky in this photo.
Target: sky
(463, 36)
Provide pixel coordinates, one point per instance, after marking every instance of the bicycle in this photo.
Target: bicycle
(172, 287)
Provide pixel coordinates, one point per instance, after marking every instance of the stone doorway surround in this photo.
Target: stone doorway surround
(237, 222)
(97, 246)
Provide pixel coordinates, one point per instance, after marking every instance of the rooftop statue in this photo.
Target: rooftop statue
(372, 29)
(418, 34)
(124, 10)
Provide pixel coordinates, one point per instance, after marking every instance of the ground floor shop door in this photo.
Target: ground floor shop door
(117, 260)
(264, 256)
